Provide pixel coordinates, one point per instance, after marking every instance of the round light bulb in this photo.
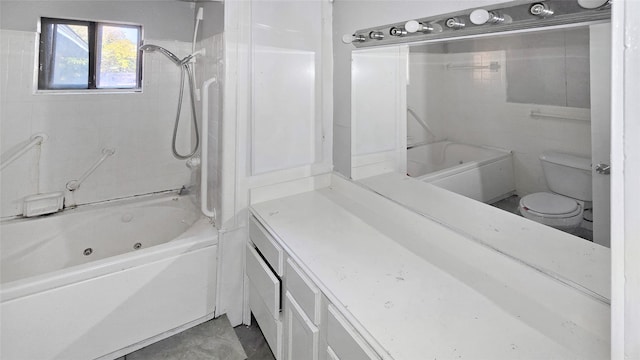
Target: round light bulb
(592, 4)
(479, 16)
(412, 26)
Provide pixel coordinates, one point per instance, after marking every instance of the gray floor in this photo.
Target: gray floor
(253, 342)
(510, 204)
(212, 340)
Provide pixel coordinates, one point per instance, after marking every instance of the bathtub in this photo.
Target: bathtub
(100, 281)
(481, 173)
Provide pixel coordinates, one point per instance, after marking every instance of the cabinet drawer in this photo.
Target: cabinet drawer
(268, 247)
(271, 328)
(304, 291)
(343, 339)
(265, 283)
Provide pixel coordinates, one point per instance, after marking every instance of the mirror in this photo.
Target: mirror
(503, 137)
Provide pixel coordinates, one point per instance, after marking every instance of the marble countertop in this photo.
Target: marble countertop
(418, 290)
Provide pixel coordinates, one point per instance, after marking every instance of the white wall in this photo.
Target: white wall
(379, 134)
(137, 125)
(286, 67)
(164, 20)
(625, 193)
(423, 75)
(278, 87)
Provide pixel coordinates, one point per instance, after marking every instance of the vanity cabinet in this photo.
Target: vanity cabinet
(297, 319)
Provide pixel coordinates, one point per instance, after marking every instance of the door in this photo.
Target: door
(600, 63)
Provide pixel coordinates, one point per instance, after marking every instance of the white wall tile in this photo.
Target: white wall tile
(80, 126)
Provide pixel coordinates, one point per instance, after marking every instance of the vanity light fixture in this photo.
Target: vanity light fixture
(348, 39)
(540, 9)
(398, 31)
(514, 15)
(413, 26)
(455, 23)
(482, 16)
(376, 35)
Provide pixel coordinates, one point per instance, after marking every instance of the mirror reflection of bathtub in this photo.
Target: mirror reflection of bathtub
(478, 172)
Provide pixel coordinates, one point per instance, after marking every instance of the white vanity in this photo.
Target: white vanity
(340, 272)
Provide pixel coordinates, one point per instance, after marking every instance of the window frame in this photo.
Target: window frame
(46, 54)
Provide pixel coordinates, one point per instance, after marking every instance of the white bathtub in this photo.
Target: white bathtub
(100, 281)
(481, 173)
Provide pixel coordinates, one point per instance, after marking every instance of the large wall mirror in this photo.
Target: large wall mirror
(504, 137)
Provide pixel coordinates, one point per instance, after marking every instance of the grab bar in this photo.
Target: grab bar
(422, 123)
(204, 190)
(535, 113)
(36, 139)
(74, 185)
(493, 66)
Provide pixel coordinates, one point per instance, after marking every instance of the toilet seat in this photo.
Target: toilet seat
(554, 210)
(550, 205)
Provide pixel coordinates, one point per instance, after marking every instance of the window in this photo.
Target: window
(89, 55)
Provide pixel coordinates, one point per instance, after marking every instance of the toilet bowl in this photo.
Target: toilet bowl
(568, 176)
(557, 211)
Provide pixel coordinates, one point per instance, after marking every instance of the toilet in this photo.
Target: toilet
(569, 178)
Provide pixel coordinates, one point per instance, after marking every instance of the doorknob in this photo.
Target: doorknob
(604, 169)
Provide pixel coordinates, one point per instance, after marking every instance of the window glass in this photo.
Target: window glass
(88, 55)
(118, 56)
(71, 56)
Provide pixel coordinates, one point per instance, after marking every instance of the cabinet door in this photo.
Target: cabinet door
(344, 340)
(301, 341)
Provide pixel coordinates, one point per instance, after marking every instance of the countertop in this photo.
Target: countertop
(418, 290)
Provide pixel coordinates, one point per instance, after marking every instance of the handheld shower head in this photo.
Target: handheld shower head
(165, 52)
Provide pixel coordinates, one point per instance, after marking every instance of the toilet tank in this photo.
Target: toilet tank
(568, 175)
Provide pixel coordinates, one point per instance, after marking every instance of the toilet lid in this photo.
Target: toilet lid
(552, 204)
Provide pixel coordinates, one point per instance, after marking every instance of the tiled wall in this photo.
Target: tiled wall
(469, 106)
(137, 125)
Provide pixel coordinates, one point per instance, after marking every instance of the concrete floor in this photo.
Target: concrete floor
(212, 340)
(253, 341)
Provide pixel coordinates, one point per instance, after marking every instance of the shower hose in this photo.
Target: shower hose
(186, 68)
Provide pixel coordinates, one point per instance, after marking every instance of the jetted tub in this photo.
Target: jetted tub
(100, 281)
(481, 173)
